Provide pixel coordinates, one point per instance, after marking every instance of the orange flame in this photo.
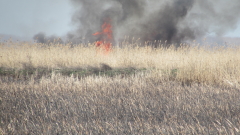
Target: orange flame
(106, 37)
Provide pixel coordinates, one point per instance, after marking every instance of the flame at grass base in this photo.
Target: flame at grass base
(106, 37)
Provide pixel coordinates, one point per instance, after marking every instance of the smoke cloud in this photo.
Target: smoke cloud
(171, 21)
(42, 38)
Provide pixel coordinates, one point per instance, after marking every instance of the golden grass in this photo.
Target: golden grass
(151, 101)
(190, 64)
(139, 104)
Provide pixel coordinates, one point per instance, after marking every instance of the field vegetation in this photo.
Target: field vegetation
(79, 89)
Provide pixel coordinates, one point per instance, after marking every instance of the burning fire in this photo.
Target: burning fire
(106, 37)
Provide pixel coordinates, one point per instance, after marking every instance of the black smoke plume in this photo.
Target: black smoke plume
(171, 21)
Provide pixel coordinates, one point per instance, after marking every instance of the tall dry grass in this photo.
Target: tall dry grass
(186, 90)
(137, 104)
(190, 64)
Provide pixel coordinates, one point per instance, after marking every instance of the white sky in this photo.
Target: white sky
(25, 18)
(235, 33)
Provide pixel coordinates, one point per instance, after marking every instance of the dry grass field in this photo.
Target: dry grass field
(65, 89)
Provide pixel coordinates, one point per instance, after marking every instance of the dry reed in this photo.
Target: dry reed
(188, 90)
(191, 64)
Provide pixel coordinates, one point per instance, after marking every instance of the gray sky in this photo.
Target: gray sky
(25, 18)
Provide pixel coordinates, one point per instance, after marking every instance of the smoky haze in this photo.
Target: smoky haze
(173, 21)
(42, 38)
